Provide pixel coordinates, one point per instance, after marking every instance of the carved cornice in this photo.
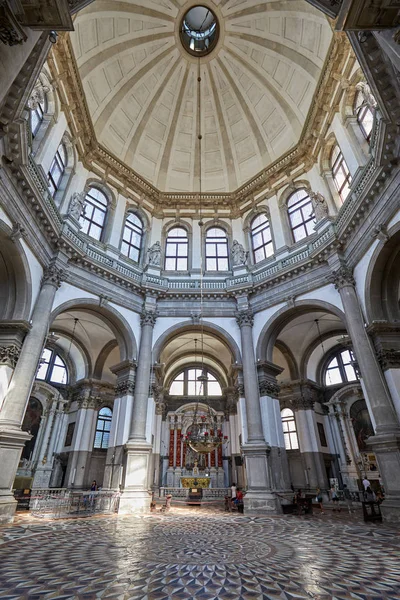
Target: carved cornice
(148, 317)
(96, 158)
(9, 355)
(342, 277)
(245, 318)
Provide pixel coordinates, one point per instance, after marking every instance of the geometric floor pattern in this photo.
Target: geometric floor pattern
(200, 556)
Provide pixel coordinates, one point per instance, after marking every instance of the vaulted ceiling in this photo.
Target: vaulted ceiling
(256, 86)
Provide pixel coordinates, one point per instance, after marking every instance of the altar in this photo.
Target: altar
(195, 482)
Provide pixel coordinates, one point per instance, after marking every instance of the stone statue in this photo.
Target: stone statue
(239, 254)
(77, 205)
(365, 90)
(319, 205)
(38, 95)
(154, 255)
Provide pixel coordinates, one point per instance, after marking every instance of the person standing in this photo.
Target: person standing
(239, 500)
(366, 483)
(233, 492)
(335, 499)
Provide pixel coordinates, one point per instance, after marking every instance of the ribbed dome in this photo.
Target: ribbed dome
(257, 86)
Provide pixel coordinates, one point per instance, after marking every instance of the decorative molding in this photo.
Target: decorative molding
(9, 355)
(342, 277)
(388, 358)
(17, 232)
(52, 275)
(148, 317)
(93, 402)
(123, 388)
(11, 32)
(245, 318)
(268, 388)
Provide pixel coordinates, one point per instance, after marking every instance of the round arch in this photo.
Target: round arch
(118, 324)
(102, 358)
(188, 326)
(327, 335)
(15, 278)
(383, 279)
(87, 361)
(270, 331)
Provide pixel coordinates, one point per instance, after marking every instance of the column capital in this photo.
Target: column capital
(52, 275)
(342, 277)
(268, 388)
(148, 317)
(124, 388)
(245, 317)
(9, 355)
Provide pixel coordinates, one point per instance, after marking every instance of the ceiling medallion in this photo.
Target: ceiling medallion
(199, 30)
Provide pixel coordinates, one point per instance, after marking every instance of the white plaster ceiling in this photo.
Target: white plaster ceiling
(257, 86)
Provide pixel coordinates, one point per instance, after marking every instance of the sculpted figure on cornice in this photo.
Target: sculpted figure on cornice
(365, 90)
(38, 94)
(154, 255)
(239, 254)
(319, 205)
(77, 205)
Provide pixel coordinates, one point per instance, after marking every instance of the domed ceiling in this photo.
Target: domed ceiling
(257, 86)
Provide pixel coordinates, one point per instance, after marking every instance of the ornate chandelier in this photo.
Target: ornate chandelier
(204, 434)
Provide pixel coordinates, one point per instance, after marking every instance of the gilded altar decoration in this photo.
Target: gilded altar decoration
(195, 482)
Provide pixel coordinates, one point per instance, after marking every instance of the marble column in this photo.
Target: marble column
(135, 496)
(120, 424)
(272, 424)
(386, 442)
(256, 450)
(12, 438)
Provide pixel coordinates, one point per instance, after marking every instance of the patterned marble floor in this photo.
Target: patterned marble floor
(195, 555)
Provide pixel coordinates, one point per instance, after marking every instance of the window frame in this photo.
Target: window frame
(61, 163)
(83, 219)
(104, 419)
(287, 433)
(134, 229)
(260, 230)
(297, 207)
(339, 164)
(341, 366)
(55, 354)
(213, 241)
(176, 241)
(361, 111)
(185, 371)
(40, 110)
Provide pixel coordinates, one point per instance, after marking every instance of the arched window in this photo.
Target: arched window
(37, 114)
(301, 214)
(177, 250)
(52, 368)
(187, 384)
(94, 213)
(132, 237)
(261, 238)
(289, 429)
(103, 427)
(340, 172)
(57, 169)
(341, 368)
(365, 115)
(216, 250)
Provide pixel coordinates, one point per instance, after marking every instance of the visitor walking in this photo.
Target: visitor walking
(319, 499)
(347, 497)
(369, 495)
(239, 500)
(335, 499)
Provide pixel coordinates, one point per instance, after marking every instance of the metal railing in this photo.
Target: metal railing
(208, 493)
(58, 503)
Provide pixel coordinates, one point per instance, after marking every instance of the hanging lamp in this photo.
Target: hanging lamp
(203, 434)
